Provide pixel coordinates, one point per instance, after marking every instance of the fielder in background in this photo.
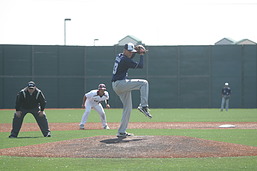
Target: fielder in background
(225, 93)
(30, 100)
(123, 86)
(93, 100)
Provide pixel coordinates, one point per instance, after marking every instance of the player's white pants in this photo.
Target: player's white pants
(123, 89)
(99, 109)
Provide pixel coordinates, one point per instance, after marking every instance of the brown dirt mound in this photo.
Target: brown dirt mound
(133, 147)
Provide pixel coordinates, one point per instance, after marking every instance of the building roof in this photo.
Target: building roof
(129, 38)
(228, 41)
(225, 41)
(245, 42)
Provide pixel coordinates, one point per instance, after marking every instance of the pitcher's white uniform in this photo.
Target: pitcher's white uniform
(94, 101)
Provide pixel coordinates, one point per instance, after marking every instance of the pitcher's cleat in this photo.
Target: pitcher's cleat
(145, 111)
(124, 135)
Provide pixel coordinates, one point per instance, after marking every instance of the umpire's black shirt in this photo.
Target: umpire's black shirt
(26, 101)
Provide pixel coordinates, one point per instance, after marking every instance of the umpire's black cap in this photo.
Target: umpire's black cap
(31, 84)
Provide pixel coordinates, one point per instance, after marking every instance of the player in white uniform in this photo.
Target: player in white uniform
(93, 100)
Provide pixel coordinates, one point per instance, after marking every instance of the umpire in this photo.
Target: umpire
(30, 100)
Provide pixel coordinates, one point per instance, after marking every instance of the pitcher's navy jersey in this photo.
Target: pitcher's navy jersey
(121, 66)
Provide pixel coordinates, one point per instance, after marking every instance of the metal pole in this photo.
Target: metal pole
(66, 19)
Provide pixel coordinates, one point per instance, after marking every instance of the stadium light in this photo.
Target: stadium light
(95, 41)
(66, 19)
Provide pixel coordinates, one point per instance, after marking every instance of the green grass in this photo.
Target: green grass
(181, 164)
(159, 115)
(238, 136)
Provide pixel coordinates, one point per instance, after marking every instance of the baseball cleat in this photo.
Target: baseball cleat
(48, 134)
(106, 127)
(145, 111)
(81, 126)
(124, 135)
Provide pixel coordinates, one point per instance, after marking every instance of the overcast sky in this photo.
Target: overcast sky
(161, 22)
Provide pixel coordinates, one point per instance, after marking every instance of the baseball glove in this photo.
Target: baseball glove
(140, 49)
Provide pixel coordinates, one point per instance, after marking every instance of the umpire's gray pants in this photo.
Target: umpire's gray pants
(123, 89)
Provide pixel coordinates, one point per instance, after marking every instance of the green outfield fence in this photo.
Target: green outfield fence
(179, 76)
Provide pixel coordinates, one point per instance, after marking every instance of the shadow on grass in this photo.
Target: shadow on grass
(25, 137)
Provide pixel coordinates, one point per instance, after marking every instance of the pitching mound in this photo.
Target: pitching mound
(134, 147)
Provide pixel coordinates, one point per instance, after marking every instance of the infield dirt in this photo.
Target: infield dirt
(136, 146)
(133, 147)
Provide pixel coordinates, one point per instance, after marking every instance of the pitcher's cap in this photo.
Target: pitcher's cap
(130, 47)
(226, 84)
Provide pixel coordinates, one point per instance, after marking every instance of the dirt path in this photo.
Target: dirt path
(136, 125)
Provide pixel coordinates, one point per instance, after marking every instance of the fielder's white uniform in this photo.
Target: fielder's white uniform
(94, 101)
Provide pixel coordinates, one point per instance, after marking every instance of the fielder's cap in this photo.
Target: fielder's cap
(130, 47)
(226, 84)
(31, 84)
(102, 86)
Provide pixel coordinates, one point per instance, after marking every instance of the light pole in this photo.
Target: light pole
(66, 19)
(95, 41)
